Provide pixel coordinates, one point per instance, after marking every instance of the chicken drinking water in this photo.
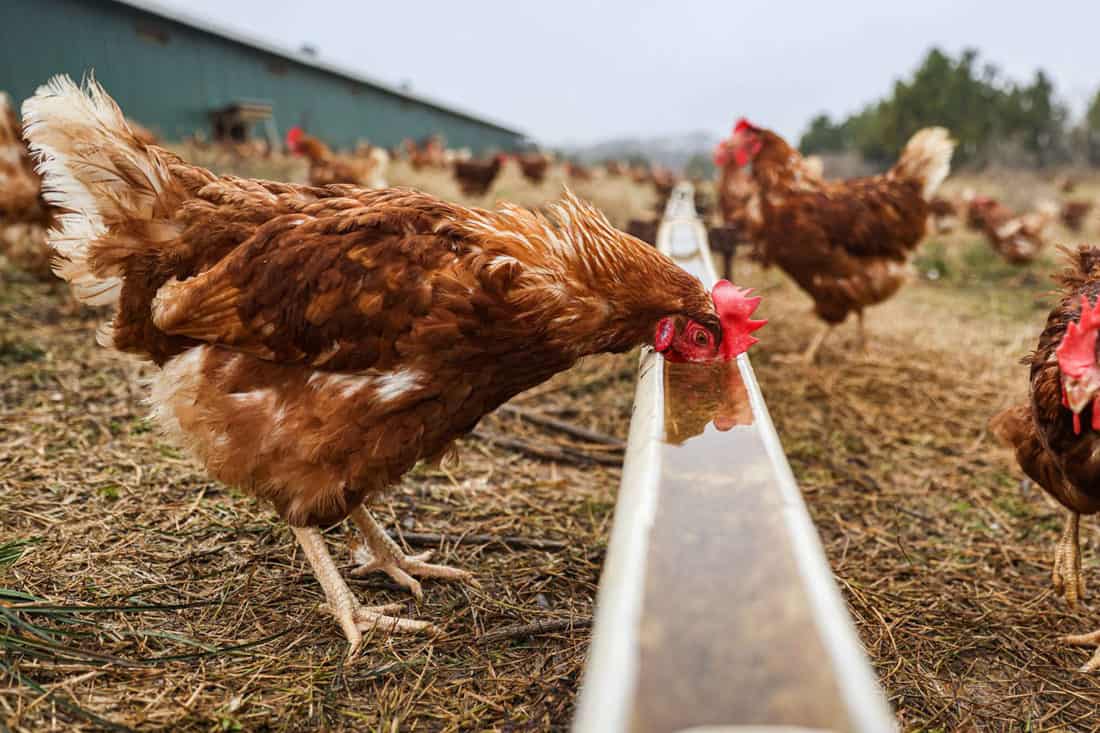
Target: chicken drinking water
(314, 343)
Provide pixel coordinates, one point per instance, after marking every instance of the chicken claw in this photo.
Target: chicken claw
(353, 617)
(355, 620)
(382, 553)
(1092, 639)
(1067, 578)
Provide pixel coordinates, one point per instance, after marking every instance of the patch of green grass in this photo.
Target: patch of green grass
(11, 551)
(109, 492)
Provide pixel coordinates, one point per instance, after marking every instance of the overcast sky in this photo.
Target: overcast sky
(567, 70)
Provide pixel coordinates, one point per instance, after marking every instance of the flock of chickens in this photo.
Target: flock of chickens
(316, 341)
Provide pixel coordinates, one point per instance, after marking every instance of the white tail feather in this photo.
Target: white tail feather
(95, 168)
(926, 158)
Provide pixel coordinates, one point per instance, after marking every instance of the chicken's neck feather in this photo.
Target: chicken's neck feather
(580, 282)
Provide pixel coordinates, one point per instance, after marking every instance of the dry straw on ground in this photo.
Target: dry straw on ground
(138, 594)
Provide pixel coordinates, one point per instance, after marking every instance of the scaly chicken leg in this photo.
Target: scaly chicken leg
(1067, 578)
(1092, 639)
(353, 617)
(382, 553)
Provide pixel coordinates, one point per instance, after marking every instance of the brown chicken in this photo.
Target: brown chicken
(1074, 213)
(534, 166)
(325, 167)
(1018, 238)
(577, 172)
(429, 154)
(314, 343)
(24, 216)
(738, 199)
(475, 177)
(846, 243)
(1055, 435)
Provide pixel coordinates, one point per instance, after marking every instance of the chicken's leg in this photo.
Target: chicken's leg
(353, 617)
(862, 334)
(1092, 639)
(810, 354)
(1067, 578)
(382, 553)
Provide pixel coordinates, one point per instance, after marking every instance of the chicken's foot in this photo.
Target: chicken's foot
(1067, 578)
(382, 553)
(1092, 639)
(353, 617)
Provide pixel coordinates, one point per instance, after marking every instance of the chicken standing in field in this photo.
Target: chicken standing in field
(1074, 213)
(847, 243)
(314, 343)
(1018, 238)
(325, 167)
(534, 166)
(1055, 434)
(738, 200)
(475, 177)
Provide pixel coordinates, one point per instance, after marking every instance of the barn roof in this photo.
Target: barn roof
(206, 26)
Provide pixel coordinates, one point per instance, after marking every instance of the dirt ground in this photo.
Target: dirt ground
(137, 594)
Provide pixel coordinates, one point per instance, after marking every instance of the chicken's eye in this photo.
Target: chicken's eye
(701, 338)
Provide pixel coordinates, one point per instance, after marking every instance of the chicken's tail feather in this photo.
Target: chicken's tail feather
(926, 159)
(101, 175)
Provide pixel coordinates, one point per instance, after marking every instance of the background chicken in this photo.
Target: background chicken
(846, 243)
(24, 216)
(577, 172)
(314, 344)
(431, 153)
(534, 166)
(326, 168)
(1018, 238)
(738, 199)
(1073, 214)
(1055, 434)
(475, 177)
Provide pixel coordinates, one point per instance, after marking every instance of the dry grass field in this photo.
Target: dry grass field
(137, 594)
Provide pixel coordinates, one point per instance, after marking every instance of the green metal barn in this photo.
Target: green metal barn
(176, 74)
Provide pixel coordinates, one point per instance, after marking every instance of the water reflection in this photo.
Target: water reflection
(697, 395)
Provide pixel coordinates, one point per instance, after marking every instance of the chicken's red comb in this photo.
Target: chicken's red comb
(742, 125)
(1077, 352)
(293, 135)
(735, 309)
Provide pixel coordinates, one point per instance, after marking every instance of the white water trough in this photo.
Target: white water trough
(717, 611)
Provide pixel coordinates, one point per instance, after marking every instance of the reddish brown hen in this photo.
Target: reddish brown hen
(1018, 238)
(1074, 213)
(475, 177)
(534, 166)
(325, 167)
(847, 243)
(1055, 434)
(315, 343)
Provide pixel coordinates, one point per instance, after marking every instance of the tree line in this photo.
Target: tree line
(996, 120)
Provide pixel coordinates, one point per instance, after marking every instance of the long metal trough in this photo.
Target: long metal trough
(717, 610)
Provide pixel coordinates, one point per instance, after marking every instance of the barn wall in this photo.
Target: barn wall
(169, 76)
